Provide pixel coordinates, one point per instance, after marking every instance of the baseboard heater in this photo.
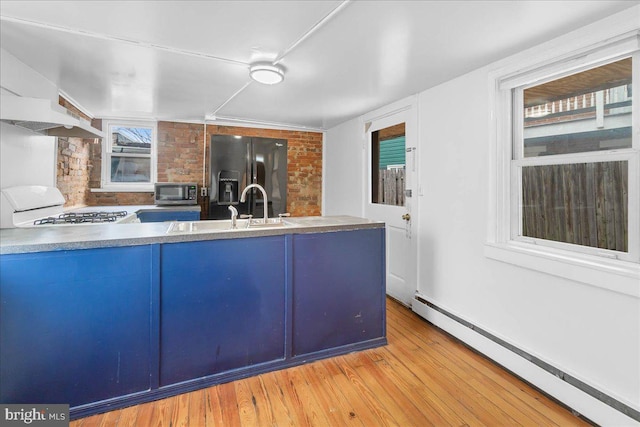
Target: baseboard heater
(586, 388)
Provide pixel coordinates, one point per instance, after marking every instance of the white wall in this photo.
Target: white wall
(588, 332)
(344, 170)
(591, 333)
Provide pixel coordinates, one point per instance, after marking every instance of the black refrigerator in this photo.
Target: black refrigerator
(237, 161)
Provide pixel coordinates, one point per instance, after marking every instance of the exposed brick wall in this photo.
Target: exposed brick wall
(304, 191)
(180, 159)
(119, 199)
(180, 152)
(73, 169)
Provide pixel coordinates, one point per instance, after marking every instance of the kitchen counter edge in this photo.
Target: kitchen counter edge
(46, 239)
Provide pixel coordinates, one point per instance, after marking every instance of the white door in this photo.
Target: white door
(390, 193)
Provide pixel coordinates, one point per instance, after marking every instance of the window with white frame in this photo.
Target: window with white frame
(568, 162)
(571, 158)
(129, 156)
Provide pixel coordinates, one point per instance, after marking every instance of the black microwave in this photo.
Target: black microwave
(169, 193)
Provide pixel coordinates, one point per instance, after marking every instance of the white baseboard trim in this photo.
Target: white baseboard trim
(576, 399)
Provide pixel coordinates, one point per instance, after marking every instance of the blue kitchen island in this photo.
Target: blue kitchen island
(107, 316)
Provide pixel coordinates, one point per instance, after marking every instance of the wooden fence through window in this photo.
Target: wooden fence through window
(584, 203)
(391, 187)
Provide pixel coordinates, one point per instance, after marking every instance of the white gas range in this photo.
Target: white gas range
(38, 206)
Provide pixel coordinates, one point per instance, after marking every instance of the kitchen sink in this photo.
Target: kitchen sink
(259, 222)
(195, 226)
(224, 225)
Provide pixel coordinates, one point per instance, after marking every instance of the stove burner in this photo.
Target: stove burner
(82, 217)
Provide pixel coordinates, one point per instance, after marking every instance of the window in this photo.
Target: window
(567, 169)
(571, 185)
(388, 165)
(129, 154)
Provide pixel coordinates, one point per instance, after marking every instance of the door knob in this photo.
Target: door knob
(406, 217)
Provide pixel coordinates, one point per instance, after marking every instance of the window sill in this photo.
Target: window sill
(614, 275)
(144, 188)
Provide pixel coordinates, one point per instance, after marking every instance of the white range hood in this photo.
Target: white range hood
(45, 118)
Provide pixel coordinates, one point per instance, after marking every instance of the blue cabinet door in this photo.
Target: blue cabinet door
(222, 305)
(339, 289)
(74, 325)
(161, 216)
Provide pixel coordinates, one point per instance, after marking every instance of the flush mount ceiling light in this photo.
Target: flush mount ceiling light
(266, 73)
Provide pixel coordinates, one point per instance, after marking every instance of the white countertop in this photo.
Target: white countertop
(54, 238)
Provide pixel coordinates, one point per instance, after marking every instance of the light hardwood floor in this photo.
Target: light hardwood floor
(423, 377)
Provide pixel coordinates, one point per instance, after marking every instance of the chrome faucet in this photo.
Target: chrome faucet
(234, 216)
(264, 198)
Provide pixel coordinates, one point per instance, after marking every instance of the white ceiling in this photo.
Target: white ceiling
(189, 60)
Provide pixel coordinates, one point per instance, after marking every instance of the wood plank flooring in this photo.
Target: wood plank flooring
(423, 377)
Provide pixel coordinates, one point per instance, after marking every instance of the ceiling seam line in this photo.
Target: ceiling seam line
(312, 30)
(229, 99)
(120, 39)
(266, 122)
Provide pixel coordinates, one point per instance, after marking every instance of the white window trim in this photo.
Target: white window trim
(592, 267)
(125, 187)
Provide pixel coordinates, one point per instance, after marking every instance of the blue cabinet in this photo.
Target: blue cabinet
(339, 289)
(167, 215)
(75, 325)
(222, 305)
(105, 328)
